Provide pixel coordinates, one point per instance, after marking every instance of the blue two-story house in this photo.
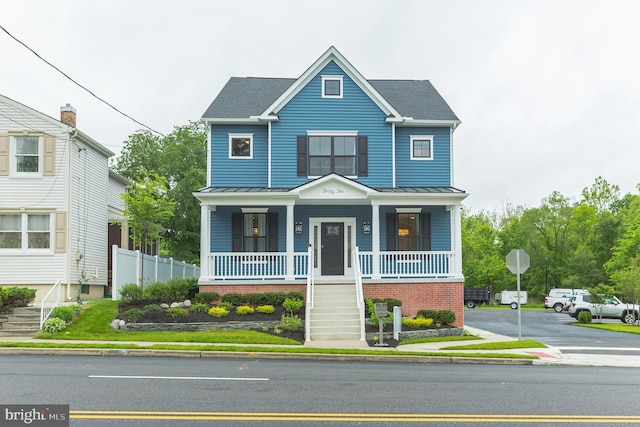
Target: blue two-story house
(331, 178)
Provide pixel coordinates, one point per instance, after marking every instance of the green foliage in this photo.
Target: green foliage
(290, 323)
(417, 323)
(428, 314)
(206, 297)
(292, 306)
(371, 308)
(160, 292)
(585, 317)
(446, 316)
(265, 309)
(176, 312)
(54, 325)
(181, 289)
(218, 312)
(274, 298)
(226, 305)
(77, 309)
(152, 308)
(3, 295)
(63, 312)
(293, 295)
(133, 314)
(199, 308)
(233, 298)
(256, 298)
(131, 292)
(244, 310)
(18, 297)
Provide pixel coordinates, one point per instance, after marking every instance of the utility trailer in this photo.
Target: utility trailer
(510, 298)
(476, 296)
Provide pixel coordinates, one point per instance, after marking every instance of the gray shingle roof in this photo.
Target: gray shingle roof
(243, 97)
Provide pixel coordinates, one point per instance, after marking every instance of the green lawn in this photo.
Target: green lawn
(615, 327)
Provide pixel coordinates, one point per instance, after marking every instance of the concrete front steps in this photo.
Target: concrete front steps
(335, 314)
(22, 322)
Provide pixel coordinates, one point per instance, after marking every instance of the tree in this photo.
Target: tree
(146, 207)
(181, 159)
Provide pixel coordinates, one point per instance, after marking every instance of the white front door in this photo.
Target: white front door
(333, 241)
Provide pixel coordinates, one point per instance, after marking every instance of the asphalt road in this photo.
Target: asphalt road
(140, 391)
(554, 329)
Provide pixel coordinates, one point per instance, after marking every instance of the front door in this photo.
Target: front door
(332, 248)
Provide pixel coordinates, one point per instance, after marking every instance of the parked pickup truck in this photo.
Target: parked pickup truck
(558, 299)
(510, 298)
(476, 296)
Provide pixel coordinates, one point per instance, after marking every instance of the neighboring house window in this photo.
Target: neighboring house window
(254, 232)
(319, 155)
(27, 155)
(422, 148)
(408, 231)
(25, 231)
(332, 86)
(241, 146)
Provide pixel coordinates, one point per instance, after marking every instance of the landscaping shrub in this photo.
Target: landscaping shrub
(160, 292)
(206, 297)
(77, 309)
(446, 316)
(254, 298)
(152, 307)
(428, 314)
(54, 325)
(218, 312)
(392, 302)
(265, 309)
(199, 308)
(292, 305)
(290, 323)
(233, 298)
(18, 297)
(226, 305)
(131, 292)
(133, 315)
(275, 298)
(244, 310)
(177, 312)
(63, 312)
(182, 288)
(371, 308)
(294, 295)
(585, 317)
(3, 295)
(417, 323)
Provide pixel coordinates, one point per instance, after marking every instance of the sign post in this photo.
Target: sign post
(518, 261)
(381, 312)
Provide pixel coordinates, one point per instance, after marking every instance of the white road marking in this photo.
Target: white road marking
(599, 348)
(144, 377)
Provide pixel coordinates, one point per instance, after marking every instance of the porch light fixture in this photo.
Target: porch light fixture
(366, 227)
(298, 227)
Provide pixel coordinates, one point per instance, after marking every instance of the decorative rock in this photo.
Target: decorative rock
(187, 303)
(115, 324)
(164, 305)
(174, 305)
(181, 304)
(122, 323)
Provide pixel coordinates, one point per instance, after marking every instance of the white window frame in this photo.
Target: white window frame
(332, 78)
(248, 136)
(24, 225)
(13, 153)
(421, 138)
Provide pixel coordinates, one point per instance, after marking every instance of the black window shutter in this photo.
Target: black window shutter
(425, 231)
(272, 232)
(363, 156)
(302, 155)
(391, 232)
(236, 232)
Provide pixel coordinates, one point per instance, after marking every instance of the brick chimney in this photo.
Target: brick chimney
(68, 115)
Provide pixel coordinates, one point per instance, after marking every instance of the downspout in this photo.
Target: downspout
(269, 154)
(393, 155)
(451, 177)
(67, 264)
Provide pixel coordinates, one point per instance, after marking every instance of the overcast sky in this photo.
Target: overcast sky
(548, 91)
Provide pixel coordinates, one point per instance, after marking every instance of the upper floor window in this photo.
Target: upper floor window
(320, 154)
(25, 154)
(241, 146)
(25, 231)
(332, 86)
(422, 147)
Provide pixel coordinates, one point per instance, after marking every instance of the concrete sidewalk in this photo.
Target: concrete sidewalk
(546, 356)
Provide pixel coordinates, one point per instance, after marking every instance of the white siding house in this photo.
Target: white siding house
(54, 195)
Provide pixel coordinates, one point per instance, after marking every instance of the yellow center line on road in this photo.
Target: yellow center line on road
(285, 416)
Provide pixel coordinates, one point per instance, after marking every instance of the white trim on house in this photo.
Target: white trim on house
(348, 222)
(332, 78)
(413, 139)
(233, 136)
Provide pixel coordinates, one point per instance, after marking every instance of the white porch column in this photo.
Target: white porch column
(456, 239)
(205, 241)
(375, 240)
(290, 242)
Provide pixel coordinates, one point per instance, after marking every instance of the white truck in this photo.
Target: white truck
(510, 298)
(558, 299)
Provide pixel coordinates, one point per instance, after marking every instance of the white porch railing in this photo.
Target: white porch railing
(310, 297)
(50, 301)
(359, 292)
(273, 265)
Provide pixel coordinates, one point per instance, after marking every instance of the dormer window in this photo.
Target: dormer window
(332, 86)
(241, 146)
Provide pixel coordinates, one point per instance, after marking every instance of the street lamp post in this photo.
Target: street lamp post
(546, 275)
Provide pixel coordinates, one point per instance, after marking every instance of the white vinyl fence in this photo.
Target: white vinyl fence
(127, 268)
